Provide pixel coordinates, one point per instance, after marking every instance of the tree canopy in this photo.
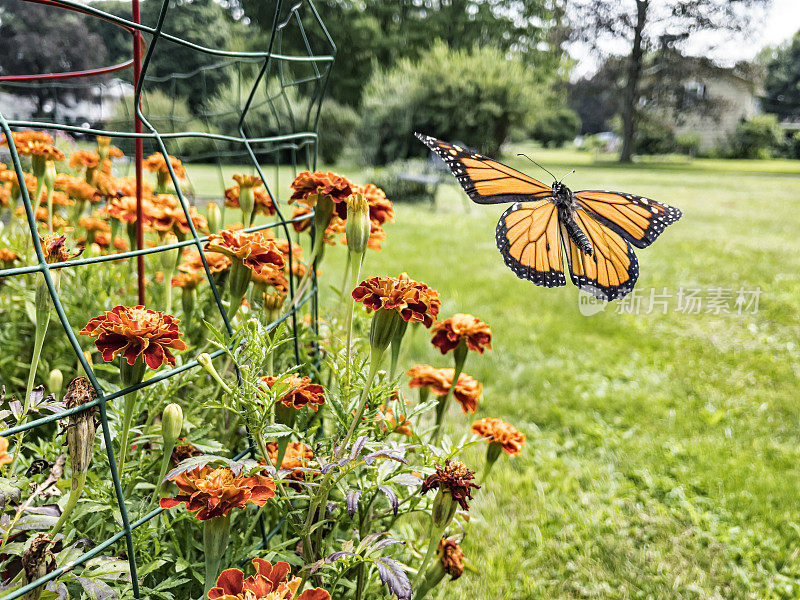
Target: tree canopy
(782, 84)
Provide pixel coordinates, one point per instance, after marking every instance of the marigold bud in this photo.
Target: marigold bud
(383, 327)
(171, 424)
(50, 175)
(214, 217)
(357, 228)
(169, 258)
(55, 381)
(80, 429)
(246, 203)
(444, 509)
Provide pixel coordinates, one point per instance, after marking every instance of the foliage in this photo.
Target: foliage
(375, 35)
(555, 127)
(404, 190)
(473, 97)
(782, 83)
(688, 143)
(337, 130)
(759, 137)
(641, 25)
(654, 137)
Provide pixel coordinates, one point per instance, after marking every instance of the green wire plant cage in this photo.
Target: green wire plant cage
(269, 120)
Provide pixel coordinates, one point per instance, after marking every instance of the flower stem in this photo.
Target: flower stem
(216, 533)
(460, 357)
(127, 419)
(167, 456)
(356, 272)
(76, 489)
(433, 544)
(42, 321)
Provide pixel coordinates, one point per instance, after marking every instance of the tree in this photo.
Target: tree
(203, 22)
(39, 39)
(782, 84)
(645, 24)
(376, 34)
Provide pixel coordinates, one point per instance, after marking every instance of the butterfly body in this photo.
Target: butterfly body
(593, 231)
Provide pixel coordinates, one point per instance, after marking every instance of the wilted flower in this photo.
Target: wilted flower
(80, 431)
(415, 301)
(466, 392)
(255, 250)
(299, 391)
(215, 492)
(136, 331)
(55, 249)
(497, 431)
(448, 334)
(451, 557)
(269, 583)
(38, 560)
(454, 479)
(184, 450)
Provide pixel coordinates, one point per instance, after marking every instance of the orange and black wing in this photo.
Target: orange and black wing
(639, 220)
(611, 271)
(529, 238)
(486, 181)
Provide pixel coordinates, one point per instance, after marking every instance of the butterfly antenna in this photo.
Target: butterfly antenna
(537, 164)
(565, 176)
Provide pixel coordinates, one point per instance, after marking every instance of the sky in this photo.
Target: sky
(780, 23)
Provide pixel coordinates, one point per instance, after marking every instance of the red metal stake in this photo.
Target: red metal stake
(139, 151)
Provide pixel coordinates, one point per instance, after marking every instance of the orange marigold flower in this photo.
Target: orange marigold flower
(11, 177)
(155, 163)
(262, 201)
(299, 391)
(255, 250)
(381, 209)
(124, 209)
(284, 247)
(401, 425)
(84, 159)
(4, 457)
(271, 582)
(136, 331)
(270, 278)
(114, 152)
(126, 186)
(59, 199)
(301, 224)
(308, 187)
(75, 187)
(199, 221)
(298, 456)
(192, 263)
(467, 390)
(497, 431)
(94, 224)
(26, 136)
(55, 249)
(188, 281)
(211, 492)
(448, 333)
(451, 557)
(455, 479)
(415, 301)
(41, 150)
(8, 256)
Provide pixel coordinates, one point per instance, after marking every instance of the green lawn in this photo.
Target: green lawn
(663, 449)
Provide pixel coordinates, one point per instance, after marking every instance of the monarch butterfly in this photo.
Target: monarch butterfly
(593, 228)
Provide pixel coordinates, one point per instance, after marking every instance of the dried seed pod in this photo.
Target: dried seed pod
(37, 561)
(81, 428)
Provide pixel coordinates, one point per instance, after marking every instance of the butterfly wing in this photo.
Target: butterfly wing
(529, 239)
(611, 270)
(639, 220)
(486, 181)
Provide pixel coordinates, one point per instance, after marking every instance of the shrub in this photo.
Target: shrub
(337, 128)
(403, 190)
(759, 137)
(654, 137)
(556, 127)
(688, 143)
(474, 96)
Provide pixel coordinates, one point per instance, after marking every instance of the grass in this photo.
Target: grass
(663, 449)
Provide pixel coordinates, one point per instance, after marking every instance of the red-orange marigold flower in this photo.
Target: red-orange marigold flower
(298, 456)
(188, 281)
(299, 391)
(55, 249)
(8, 256)
(184, 450)
(214, 492)
(415, 301)
(40, 150)
(255, 249)
(381, 209)
(308, 187)
(455, 479)
(155, 163)
(136, 331)
(192, 263)
(467, 390)
(271, 582)
(86, 159)
(448, 333)
(498, 431)
(452, 557)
